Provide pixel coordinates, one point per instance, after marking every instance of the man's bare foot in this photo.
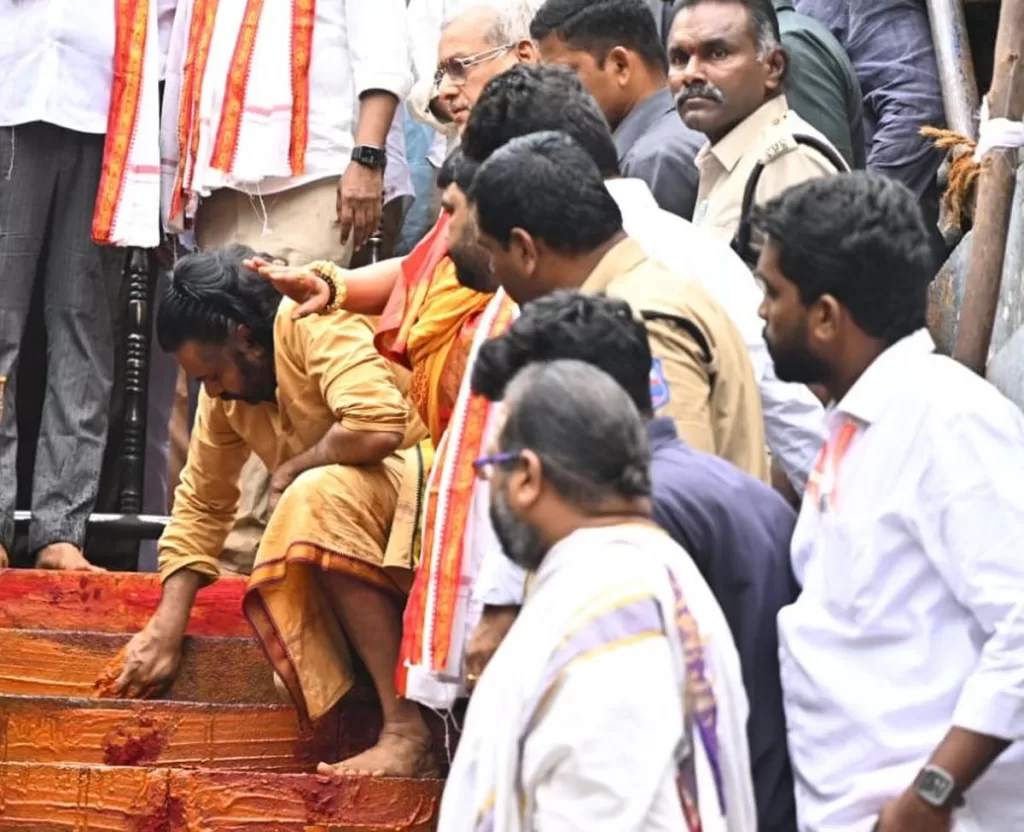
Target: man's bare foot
(395, 755)
(65, 557)
(4, 560)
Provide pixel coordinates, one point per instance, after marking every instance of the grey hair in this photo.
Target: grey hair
(511, 23)
(584, 427)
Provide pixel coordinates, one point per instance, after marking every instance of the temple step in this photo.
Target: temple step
(110, 602)
(68, 798)
(118, 732)
(53, 663)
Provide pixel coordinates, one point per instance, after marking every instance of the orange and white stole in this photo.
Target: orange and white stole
(436, 614)
(246, 127)
(127, 210)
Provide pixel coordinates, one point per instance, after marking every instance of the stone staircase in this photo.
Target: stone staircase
(219, 753)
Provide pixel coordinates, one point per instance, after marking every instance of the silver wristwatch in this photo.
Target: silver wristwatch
(936, 787)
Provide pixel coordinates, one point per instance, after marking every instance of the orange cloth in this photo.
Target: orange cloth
(428, 326)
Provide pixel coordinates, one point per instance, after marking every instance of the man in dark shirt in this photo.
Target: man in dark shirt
(821, 83)
(890, 44)
(736, 529)
(613, 46)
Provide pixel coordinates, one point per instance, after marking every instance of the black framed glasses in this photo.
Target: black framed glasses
(458, 68)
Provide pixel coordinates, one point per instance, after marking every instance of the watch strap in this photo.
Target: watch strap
(370, 156)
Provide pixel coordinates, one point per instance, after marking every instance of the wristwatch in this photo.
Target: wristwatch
(369, 156)
(936, 787)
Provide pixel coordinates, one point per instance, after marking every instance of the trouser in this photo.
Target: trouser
(48, 182)
(299, 226)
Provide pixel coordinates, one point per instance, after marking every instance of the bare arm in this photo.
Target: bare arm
(341, 446)
(367, 289)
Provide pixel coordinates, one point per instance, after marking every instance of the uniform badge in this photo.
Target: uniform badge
(659, 387)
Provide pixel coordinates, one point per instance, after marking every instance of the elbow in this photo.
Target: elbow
(381, 445)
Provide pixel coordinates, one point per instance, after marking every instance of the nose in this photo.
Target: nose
(762, 309)
(447, 90)
(692, 72)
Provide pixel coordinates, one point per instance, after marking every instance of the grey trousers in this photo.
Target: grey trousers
(48, 181)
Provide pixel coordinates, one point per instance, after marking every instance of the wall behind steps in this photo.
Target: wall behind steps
(1006, 354)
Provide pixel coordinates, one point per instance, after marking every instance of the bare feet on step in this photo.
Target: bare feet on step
(396, 754)
(4, 560)
(64, 556)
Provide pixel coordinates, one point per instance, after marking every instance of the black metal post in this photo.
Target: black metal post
(141, 281)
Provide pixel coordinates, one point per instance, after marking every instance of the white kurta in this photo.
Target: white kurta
(599, 751)
(911, 619)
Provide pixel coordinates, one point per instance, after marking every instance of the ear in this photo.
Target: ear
(825, 319)
(524, 248)
(618, 61)
(527, 52)
(245, 341)
(776, 63)
(526, 482)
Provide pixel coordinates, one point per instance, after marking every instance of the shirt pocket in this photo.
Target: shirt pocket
(844, 555)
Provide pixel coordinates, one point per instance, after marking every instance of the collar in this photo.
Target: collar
(870, 393)
(784, 6)
(742, 137)
(622, 258)
(631, 192)
(661, 431)
(641, 118)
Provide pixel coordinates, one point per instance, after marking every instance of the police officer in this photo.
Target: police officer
(727, 69)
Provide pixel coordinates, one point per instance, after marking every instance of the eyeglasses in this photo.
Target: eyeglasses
(484, 466)
(457, 68)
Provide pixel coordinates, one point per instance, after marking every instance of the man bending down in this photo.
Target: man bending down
(328, 416)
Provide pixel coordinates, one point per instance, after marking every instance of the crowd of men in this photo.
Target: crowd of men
(643, 445)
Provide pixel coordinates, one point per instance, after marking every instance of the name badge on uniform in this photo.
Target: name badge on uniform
(659, 387)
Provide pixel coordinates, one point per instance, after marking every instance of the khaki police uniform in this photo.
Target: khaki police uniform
(702, 377)
(766, 135)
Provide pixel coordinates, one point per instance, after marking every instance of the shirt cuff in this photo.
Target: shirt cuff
(984, 709)
(395, 81)
(207, 567)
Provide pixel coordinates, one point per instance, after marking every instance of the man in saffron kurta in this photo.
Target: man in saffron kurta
(328, 416)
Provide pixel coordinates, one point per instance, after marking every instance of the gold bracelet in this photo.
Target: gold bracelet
(330, 274)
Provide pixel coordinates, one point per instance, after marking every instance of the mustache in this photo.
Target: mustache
(709, 91)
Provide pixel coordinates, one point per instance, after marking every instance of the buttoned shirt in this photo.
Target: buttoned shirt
(766, 135)
(56, 61)
(358, 47)
(654, 145)
(706, 377)
(793, 416)
(911, 618)
(737, 530)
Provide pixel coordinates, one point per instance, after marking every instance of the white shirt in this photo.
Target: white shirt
(357, 47)
(792, 413)
(56, 62)
(911, 618)
(601, 757)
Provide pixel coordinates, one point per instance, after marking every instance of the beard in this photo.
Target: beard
(259, 382)
(794, 362)
(472, 267)
(521, 543)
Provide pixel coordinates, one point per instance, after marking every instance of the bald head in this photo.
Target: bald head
(478, 42)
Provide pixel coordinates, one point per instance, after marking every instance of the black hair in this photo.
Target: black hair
(583, 427)
(548, 186)
(764, 21)
(450, 169)
(594, 329)
(530, 98)
(861, 238)
(210, 294)
(598, 26)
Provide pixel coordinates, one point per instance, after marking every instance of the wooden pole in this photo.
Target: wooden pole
(995, 197)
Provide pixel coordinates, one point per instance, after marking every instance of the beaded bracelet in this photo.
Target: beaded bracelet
(329, 273)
